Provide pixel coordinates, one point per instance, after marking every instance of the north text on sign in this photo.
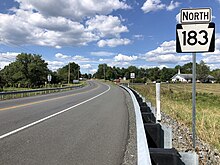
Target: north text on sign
(196, 15)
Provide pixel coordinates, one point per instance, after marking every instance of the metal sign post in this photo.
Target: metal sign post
(195, 34)
(194, 101)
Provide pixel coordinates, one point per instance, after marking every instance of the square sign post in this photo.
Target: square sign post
(132, 76)
(195, 34)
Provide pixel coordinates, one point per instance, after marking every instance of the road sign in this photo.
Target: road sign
(195, 38)
(132, 75)
(49, 77)
(198, 15)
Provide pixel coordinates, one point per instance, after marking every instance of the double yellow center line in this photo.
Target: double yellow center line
(42, 101)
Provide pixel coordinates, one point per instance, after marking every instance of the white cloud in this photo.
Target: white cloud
(155, 5)
(86, 66)
(152, 5)
(121, 57)
(106, 60)
(92, 71)
(26, 27)
(102, 53)
(138, 36)
(73, 9)
(172, 5)
(54, 65)
(67, 58)
(213, 59)
(79, 58)
(119, 64)
(165, 48)
(3, 64)
(61, 56)
(114, 42)
(166, 53)
(6, 58)
(60, 23)
(106, 26)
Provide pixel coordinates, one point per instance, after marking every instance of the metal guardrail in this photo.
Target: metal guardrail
(143, 155)
(24, 93)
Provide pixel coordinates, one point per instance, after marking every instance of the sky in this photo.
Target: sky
(91, 32)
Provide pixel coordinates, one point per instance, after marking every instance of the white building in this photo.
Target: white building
(181, 77)
(188, 78)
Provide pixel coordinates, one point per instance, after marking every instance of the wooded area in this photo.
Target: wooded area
(153, 74)
(31, 71)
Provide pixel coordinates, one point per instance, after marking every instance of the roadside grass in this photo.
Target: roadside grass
(176, 100)
(13, 89)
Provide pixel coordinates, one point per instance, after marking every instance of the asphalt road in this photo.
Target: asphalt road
(87, 126)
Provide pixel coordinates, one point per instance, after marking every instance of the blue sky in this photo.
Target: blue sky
(91, 32)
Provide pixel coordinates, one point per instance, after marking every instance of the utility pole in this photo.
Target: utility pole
(78, 74)
(69, 74)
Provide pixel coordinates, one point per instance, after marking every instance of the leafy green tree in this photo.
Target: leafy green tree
(202, 71)
(166, 74)
(101, 72)
(29, 70)
(64, 72)
(187, 68)
(153, 74)
(2, 82)
(216, 74)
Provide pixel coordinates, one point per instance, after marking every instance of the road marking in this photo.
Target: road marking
(42, 101)
(53, 115)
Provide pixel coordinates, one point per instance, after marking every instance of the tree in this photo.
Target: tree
(28, 71)
(187, 68)
(202, 71)
(153, 74)
(2, 82)
(216, 74)
(166, 74)
(73, 69)
(101, 72)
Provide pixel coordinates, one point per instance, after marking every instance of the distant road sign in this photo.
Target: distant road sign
(49, 77)
(199, 15)
(195, 38)
(132, 75)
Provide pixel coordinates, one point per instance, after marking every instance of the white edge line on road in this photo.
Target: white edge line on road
(53, 115)
(143, 154)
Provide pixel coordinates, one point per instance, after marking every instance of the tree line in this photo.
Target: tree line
(31, 71)
(143, 75)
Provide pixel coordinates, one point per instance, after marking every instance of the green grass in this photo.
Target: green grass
(12, 96)
(176, 100)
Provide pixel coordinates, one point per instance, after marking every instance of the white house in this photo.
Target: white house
(188, 78)
(181, 77)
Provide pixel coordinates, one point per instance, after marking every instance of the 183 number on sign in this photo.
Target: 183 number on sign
(195, 38)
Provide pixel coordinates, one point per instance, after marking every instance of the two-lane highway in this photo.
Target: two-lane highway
(83, 126)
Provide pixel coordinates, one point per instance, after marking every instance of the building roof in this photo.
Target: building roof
(189, 76)
(185, 76)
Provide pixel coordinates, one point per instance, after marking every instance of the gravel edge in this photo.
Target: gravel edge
(182, 141)
(130, 157)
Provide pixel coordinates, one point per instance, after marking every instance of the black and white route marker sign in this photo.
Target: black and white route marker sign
(195, 38)
(196, 33)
